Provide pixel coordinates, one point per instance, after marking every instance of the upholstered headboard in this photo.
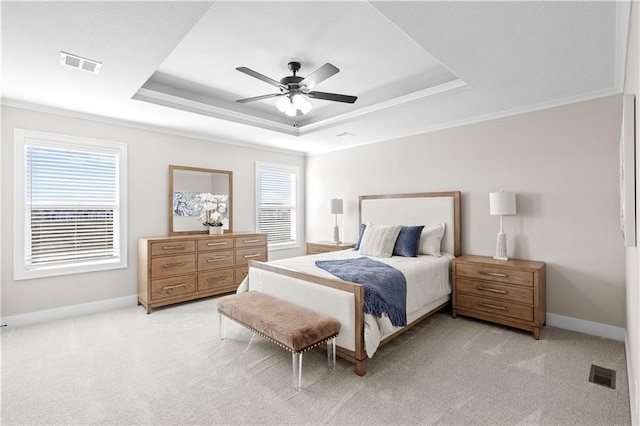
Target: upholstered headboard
(426, 208)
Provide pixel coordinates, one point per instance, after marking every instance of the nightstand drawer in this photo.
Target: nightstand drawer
(494, 306)
(495, 273)
(327, 246)
(495, 290)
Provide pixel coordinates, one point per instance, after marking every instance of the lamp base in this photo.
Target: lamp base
(336, 235)
(501, 247)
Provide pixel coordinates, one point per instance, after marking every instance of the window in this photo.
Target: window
(70, 205)
(277, 197)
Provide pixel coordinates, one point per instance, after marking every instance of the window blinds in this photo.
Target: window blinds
(72, 208)
(276, 205)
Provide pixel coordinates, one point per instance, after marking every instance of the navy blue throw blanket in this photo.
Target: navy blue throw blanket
(385, 287)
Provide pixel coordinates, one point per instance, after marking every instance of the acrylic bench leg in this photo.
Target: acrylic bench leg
(331, 353)
(297, 370)
(220, 326)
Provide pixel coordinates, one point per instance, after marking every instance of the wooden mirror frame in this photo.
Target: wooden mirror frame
(172, 170)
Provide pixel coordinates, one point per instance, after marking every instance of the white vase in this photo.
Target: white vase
(216, 230)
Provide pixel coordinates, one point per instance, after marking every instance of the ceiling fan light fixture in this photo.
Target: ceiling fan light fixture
(301, 103)
(292, 111)
(291, 105)
(283, 104)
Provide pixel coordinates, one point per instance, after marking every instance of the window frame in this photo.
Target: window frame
(23, 139)
(282, 168)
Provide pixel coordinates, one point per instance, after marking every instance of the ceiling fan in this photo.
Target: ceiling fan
(292, 88)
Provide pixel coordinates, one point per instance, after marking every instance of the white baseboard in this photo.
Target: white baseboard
(69, 311)
(633, 392)
(587, 327)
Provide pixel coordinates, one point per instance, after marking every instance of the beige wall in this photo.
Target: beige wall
(149, 156)
(561, 162)
(632, 86)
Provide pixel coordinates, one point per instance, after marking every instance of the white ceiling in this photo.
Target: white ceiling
(415, 66)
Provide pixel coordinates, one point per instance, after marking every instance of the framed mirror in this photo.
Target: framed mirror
(186, 187)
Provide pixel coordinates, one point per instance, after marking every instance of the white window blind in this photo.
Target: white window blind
(277, 198)
(72, 208)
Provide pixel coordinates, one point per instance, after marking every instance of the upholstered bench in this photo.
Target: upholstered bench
(291, 326)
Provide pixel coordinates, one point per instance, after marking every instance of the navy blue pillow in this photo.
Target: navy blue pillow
(362, 228)
(408, 241)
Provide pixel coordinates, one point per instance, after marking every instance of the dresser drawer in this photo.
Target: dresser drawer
(172, 247)
(495, 273)
(245, 255)
(172, 265)
(494, 306)
(174, 286)
(219, 243)
(216, 280)
(251, 241)
(495, 291)
(241, 274)
(215, 260)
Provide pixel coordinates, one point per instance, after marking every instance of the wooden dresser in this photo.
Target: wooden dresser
(180, 268)
(511, 292)
(326, 246)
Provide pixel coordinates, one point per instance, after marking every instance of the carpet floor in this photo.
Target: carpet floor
(125, 367)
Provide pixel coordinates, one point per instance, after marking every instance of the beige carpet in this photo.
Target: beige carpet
(126, 367)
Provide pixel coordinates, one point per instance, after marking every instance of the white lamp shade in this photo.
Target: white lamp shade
(335, 206)
(283, 104)
(502, 203)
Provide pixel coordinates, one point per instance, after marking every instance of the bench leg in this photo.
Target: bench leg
(220, 326)
(331, 353)
(297, 370)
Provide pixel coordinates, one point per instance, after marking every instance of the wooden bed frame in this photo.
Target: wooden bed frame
(353, 293)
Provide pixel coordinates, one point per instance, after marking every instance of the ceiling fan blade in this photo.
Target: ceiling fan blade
(319, 75)
(258, 98)
(259, 76)
(332, 97)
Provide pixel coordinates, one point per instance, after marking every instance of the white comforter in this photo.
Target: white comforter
(427, 281)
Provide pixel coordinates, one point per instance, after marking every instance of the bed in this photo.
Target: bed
(300, 281)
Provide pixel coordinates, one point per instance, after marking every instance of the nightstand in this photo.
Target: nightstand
(511, 292)
(326, 246)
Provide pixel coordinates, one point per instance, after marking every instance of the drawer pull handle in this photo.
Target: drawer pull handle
(493, 274)
(488, 305)
(250, 241)
(211, 280)
(223, 243)
(171, 287)
(173, 248)
(173, 265)
(493, 290)
(246, 256)
(217, 259)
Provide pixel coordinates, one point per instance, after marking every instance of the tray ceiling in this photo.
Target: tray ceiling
(414, 66)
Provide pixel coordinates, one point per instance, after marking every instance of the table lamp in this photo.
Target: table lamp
(335, 207)
(502, 203)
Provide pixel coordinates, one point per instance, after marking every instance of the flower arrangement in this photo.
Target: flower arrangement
(209, 206)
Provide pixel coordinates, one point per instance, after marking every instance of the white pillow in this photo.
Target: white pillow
(430, 240)
(379, 240)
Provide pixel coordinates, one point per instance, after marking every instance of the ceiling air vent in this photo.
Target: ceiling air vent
(80, 63)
